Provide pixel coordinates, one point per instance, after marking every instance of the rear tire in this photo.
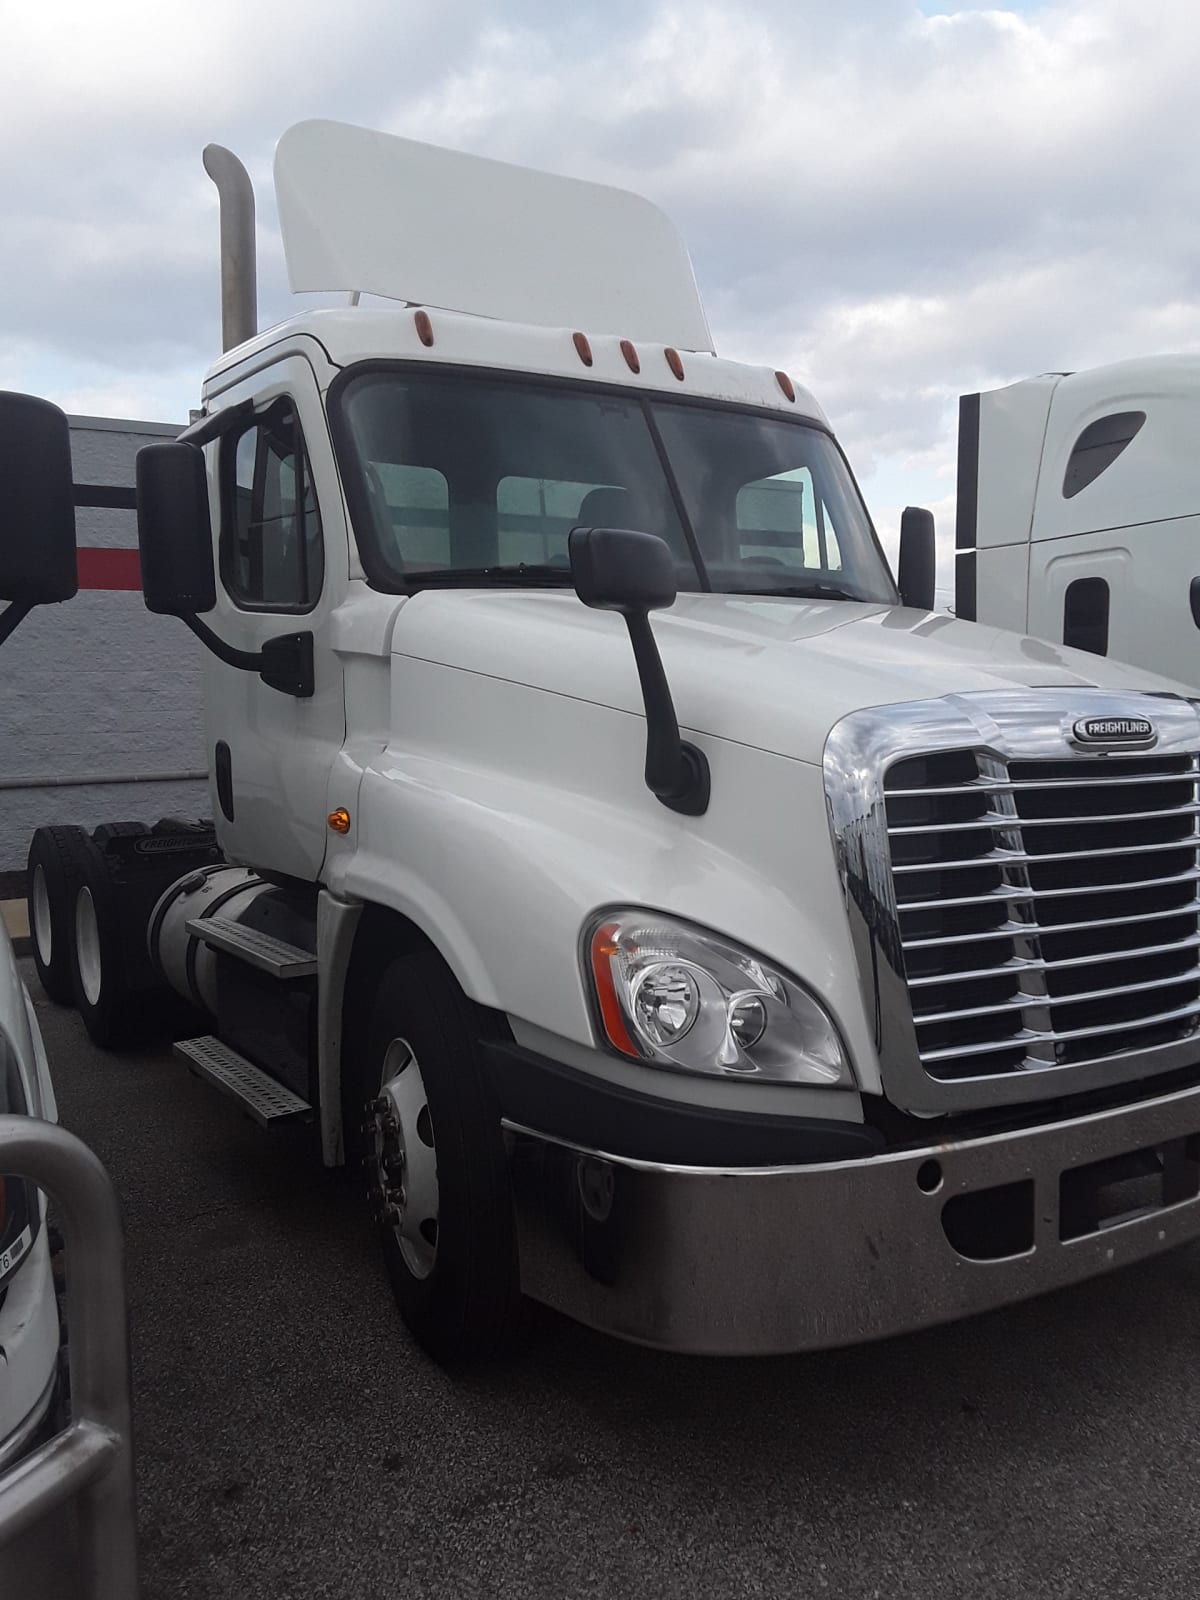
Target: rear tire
(432, 1149)
(98, 980)
(55, 857)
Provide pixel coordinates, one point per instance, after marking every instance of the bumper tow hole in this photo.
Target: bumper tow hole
(929, 1177)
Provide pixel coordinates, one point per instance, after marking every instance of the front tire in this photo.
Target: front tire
(420, 1115)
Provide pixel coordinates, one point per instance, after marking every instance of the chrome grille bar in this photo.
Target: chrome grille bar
(1020, 963)
(1008, 786)
(992, 820)
(1020, 1002)
(1029, 1036)
(1007, 891)
(1001, 857)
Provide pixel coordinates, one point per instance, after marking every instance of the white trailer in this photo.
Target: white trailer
(1079, 511)
(803, 968)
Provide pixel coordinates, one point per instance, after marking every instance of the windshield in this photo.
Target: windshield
(461, 480)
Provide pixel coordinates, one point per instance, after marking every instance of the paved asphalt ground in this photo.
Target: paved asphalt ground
(293, 1442)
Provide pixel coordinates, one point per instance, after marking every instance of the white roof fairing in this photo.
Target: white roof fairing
(388, 216)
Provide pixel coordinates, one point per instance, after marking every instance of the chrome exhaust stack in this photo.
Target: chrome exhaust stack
(239, 268)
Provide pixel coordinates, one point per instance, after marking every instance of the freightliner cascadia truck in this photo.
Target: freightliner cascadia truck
(1079, 510)
(671, 917)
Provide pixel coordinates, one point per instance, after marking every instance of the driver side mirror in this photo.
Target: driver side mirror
(37, 508)
(917, 567)
(174, 530)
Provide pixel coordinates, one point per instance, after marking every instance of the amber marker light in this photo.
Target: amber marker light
(582, 348)
(339, 820)
(675, 362)
(604, 947)
(424, 327)
(631, 356)
(786, 384)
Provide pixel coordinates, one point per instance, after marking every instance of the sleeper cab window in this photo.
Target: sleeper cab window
(1098, 446)
(272, 553)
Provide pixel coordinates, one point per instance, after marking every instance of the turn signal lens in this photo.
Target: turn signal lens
(339, 820)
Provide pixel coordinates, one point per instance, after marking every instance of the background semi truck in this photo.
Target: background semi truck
(1079, 510)
(795, 968)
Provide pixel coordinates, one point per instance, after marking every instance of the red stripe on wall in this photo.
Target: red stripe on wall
(109, 569)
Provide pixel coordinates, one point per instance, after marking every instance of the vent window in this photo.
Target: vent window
(1098, 446)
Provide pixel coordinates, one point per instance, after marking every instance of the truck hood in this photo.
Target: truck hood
(775, 674)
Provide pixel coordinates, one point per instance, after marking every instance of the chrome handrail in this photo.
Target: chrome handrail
(91, 1461)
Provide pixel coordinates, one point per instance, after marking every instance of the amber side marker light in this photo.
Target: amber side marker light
(632, 360)
(583, 348)
(675, 362)
(786, 384)
(604, 946)
(339, 820)
(424, 327)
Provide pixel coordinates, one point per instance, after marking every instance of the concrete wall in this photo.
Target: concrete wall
(98, 688)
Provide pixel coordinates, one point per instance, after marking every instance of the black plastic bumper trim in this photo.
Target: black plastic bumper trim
(568, 1104)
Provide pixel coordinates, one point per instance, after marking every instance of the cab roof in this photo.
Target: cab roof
(349, 335)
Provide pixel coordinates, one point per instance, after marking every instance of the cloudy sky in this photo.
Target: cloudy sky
(897, 201)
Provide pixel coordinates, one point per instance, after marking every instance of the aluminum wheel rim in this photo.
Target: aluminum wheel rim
(87, 945)
(43, 931)
(405, 1159)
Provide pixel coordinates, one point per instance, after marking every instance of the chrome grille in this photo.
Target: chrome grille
(1048, 910)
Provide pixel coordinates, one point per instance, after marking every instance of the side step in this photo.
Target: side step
(269, 1102)
(260, 950)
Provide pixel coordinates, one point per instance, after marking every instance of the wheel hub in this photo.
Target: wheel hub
(87, 945)
(402, 1160)
(42, 928)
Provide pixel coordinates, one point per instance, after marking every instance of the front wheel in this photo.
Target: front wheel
(420, 1116)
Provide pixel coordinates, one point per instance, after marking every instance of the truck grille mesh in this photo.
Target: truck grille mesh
(1048, 909)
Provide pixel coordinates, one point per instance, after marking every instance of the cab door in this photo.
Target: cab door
(281, 569)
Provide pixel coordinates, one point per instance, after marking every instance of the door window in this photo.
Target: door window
(272, 554)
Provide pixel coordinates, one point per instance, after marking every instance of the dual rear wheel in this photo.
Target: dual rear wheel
(73, 921)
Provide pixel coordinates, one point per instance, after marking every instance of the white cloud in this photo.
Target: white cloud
(897, 206)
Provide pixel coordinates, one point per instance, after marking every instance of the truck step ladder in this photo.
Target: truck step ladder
(260, 950)
(269, 1102)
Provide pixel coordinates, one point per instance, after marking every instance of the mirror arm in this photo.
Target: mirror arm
(12, 616)
(245, 660)
(677, 773)
(284, 663)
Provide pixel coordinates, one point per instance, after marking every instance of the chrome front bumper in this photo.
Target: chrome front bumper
(757, 1261)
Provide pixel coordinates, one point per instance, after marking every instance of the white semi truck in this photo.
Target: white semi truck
(37, 567)
(801, 968)
(1079, 510)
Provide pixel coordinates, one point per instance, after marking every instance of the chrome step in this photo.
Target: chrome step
(269, 1102)
(261, 950)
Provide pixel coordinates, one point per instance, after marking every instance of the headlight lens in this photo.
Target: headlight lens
(682, 998)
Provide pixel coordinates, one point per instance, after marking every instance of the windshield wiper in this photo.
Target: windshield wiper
(807, 591)
(519, 575)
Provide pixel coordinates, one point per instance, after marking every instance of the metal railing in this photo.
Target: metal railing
(91, 1462)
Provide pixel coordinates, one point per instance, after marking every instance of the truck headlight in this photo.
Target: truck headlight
(681, 998)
